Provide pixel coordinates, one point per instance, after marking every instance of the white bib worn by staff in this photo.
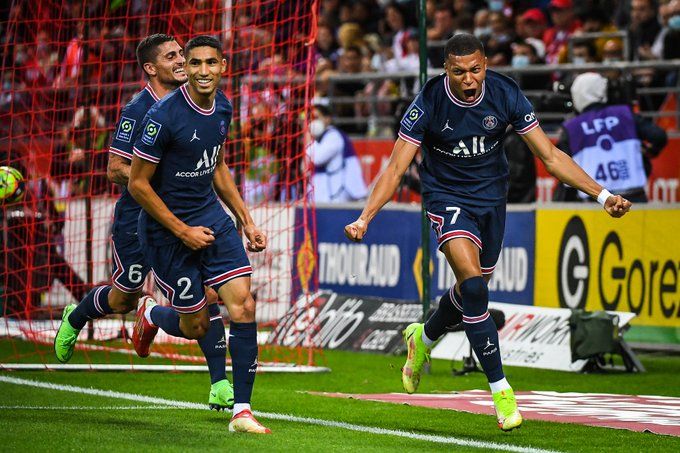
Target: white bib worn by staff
(337, 171)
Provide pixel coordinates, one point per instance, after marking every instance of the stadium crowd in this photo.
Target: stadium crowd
(60, 66)
(377, 36)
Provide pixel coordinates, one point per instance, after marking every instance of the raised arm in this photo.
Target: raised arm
(139, 185)
(563, 167)
(385, 186)
(228, 192)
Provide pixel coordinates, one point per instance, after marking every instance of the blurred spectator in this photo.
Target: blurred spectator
(395, 20)
(610, 142)
(86, 143)
(644, 27)
(326, 47)
(349, 63)
(262, 166)
(671, 51)
(443, 24)
(363, 13)
(70, 67)
(33, 248)
(497, 46)
(524, 54)
(583, 52)
(482, 30)
(612, 51)
(668, 9)
(595, 20)
(556, 37)
(337, 172)
(350, 34)
(531, 24)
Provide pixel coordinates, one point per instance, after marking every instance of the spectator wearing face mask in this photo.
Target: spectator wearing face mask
(610, 142)
(526, 53)
(337, 172)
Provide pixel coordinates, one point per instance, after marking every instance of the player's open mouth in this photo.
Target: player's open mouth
(204, 82)
(470, 94)
(179, 71)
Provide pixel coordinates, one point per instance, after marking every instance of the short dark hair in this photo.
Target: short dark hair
(202, 41)
(463, 44)
(323, 109)
(589, 45)
(147, 49)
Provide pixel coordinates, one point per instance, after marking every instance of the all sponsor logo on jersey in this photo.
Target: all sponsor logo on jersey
(530, 117)
(205, 165)
(125, 129)
(412, 116)
(462, 150)
(151, 131)
(489, 122)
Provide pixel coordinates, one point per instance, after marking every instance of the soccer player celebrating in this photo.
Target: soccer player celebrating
(162, 60)
(178, 172)
(459, 119)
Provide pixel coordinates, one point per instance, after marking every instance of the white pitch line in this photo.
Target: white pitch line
(89, 408)
(276, 416)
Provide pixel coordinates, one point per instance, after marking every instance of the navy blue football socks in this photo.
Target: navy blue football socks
(480, 327)
(243, 351)
(214, 345)
(167, 319)
(445, 317)
(94, 305)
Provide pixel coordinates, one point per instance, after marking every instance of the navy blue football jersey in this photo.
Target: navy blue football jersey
(184, 140)
(127, 210)
(461, 142)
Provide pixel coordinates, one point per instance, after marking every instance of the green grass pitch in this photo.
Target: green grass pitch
(39, 419)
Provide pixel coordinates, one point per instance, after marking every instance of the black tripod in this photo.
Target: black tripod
(469, 365)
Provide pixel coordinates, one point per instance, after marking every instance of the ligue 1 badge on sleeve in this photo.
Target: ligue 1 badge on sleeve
(223, 128)
(150, 133)
(490, 122)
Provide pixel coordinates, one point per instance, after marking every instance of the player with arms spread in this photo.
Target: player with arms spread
(162, 61)
(178, 172)
(459, 120)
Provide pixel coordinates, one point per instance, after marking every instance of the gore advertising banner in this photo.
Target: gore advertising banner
(532, 337)
(387, 262)
(586, 259)
(343, 322)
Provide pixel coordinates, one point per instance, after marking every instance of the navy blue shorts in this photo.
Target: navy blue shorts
(483, 225)
(181, 273)
(129, 263)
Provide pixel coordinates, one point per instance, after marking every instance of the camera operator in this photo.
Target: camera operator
(610, 142)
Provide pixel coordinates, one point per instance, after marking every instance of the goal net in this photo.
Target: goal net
(67, 70)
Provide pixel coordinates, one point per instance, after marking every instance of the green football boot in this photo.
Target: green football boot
(418, 354)
(221, 395)
(507, 413)
(65, 340)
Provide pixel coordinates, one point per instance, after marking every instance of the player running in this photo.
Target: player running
(178, 172)
(459, 120)
(162, 60)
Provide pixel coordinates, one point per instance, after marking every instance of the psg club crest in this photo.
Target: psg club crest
(223, 128)
(490, 122)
